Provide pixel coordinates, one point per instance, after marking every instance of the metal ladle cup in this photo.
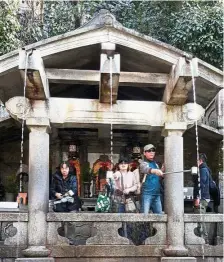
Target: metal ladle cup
(193, 171)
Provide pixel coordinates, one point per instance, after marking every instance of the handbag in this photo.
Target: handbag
(102, 203)
(129, 203)
(130, 206)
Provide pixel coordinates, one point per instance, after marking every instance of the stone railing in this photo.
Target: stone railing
(13, 234)
(195, 244)
(107, 235)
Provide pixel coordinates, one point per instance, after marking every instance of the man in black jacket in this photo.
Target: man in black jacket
(201, 193)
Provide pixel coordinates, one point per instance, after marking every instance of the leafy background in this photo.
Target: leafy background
(192, 26)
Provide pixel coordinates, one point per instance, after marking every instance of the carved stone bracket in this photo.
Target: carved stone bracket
(17, 234)
(7, 230)
(107, 234)
(190, 237)
(160, 237)
(53, 235)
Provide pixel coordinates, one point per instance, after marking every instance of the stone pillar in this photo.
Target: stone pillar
(38, 187)
(174, 193)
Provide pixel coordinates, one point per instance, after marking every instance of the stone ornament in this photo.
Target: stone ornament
(18, 107)
(103, 18)
(7, 230)
(192, 112)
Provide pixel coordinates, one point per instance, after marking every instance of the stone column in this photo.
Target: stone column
(174, 193)
(38, 187)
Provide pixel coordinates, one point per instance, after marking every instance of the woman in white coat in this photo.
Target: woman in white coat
(125, 185)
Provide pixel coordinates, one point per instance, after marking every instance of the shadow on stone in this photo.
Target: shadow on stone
(77, 232)
(212, 235)
(137, 232)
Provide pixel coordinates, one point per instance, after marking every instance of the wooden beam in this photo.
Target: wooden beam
(37, 87)
(106, 68)
(73, 76)
(180, 82)
(143, 79)
(92, 77)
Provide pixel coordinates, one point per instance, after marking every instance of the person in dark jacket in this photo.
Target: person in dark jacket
(63, 181)
(201, 193)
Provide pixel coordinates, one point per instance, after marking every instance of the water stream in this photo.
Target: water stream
(21, 150)
(197, 143)
(111, 110)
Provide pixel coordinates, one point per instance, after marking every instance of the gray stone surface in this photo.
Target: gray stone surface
(20, 238)
(190, 237)
(79, 232)
(102, 217)
(108, 259)
(38, 191)
(39, 259)
(160, 236)
(174, 204)
(36, 251)
(107, 234)
(178, 259)
(7, 216)
(11, 251)
(53, 238)
(205, 250)
(211, 217)
(107, 251)
(210, 259)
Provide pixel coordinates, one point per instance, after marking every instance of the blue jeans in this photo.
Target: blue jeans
(153, 202)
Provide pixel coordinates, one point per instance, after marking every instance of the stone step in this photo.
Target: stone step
(178, 259)
(35, 259)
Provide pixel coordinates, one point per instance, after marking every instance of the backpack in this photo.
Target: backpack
(214, 191)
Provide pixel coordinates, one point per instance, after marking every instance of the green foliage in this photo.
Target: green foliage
(199, 29)
(53, 18)
(9, 26)
(193, 26)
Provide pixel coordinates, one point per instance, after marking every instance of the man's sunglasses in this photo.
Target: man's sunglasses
(151, 150)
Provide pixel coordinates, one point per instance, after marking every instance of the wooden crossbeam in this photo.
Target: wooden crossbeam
(37, 87)
(92, 77)
(180, 82)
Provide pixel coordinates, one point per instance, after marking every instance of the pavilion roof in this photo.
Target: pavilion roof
(80, 49)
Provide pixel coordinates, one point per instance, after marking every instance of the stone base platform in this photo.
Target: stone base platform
(178, 259)
(35, 259)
